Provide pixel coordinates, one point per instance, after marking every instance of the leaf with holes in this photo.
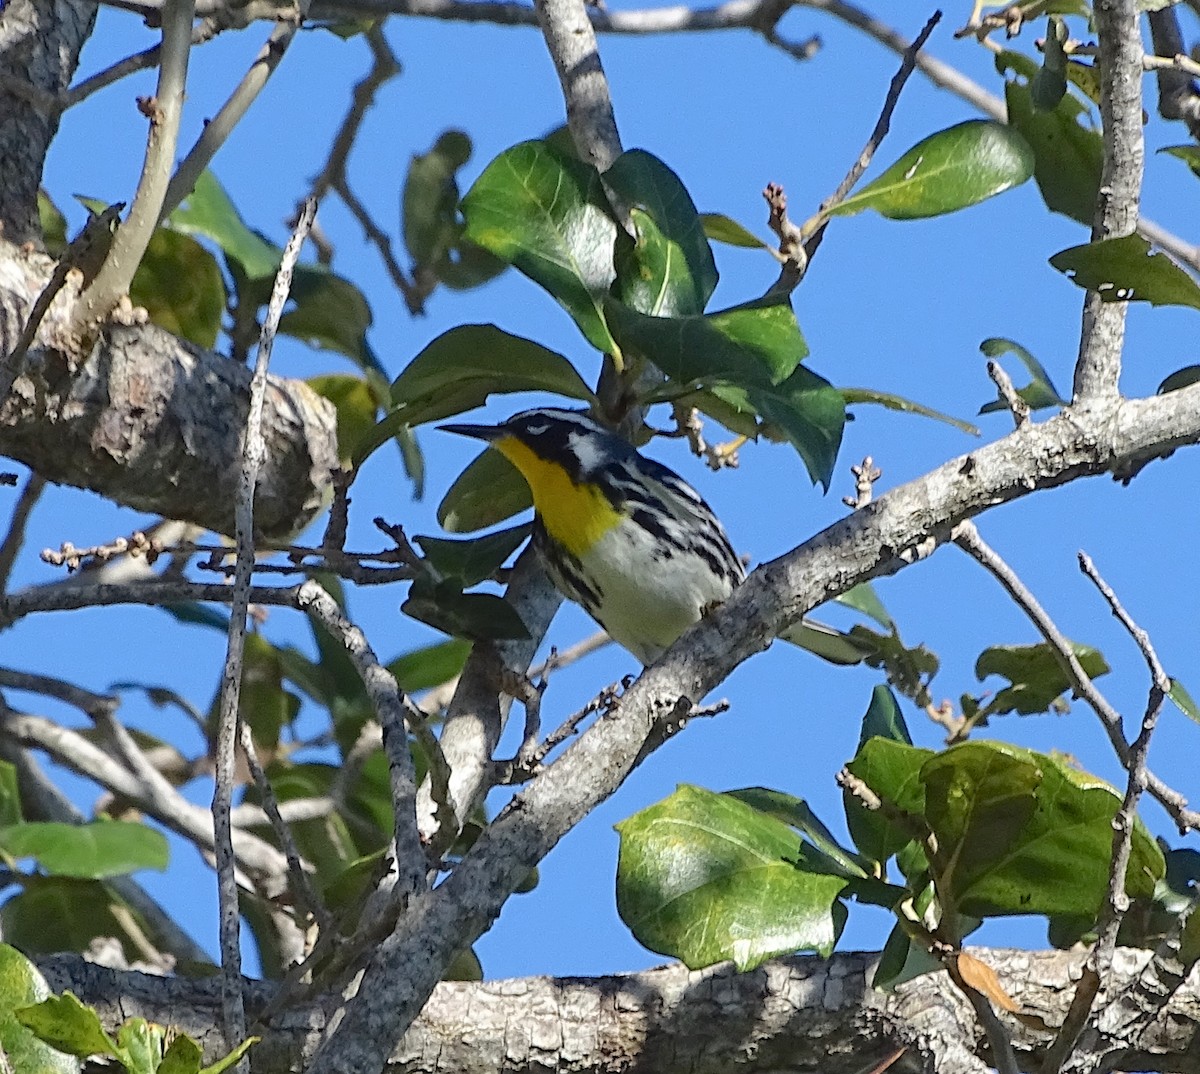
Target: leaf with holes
(1124, 270)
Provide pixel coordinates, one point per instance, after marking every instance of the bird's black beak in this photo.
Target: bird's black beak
(476, 432)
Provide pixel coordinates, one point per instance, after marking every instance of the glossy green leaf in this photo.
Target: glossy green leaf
(667, 268)
(1124, 270)
(356, 408)
(1189, 154)
(826, 642)
(1049, 85)
(1036, 677)
(475, 616)
(66, 1024)
(1039, 393)
(140, 1045)
(1004, 857)
(758, 344)
(22, 986)
(811, 414)
(546, 214)
(796, 813)
(92, 851)
(209, 212)
(950, 170)
(429, 666)
(704, 878)
(488, 491)
(475, 560)
(462, 367)
(265, 705)
(1067, 156)
(721, 228)
(180, 286)
(1183, 701)
(10, 795)
(855, 396)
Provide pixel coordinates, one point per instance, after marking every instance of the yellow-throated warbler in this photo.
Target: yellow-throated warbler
(619, 533)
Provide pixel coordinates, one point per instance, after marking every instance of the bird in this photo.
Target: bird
(618, 533)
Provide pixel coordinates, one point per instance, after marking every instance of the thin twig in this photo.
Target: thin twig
(218, 129)
(393, 711)
(304, 891)
(813, 231)
(1004, 385)
(1117, 902)
(164, 112)
(10, 547)
(233, 1008)
(967, 537)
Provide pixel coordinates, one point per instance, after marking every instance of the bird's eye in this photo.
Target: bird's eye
(537, 428)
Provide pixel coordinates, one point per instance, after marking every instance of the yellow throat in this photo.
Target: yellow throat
(575, 515)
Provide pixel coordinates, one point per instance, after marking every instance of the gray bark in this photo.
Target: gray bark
(795, 1014)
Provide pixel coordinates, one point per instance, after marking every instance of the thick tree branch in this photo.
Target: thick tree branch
(39, 48)
(796, 1013)
(153, 422)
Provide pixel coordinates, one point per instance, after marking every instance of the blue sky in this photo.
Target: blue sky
(901, 307)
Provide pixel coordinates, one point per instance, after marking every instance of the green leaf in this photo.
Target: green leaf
(704, 878)
(141, 1045)
(1039, 393)
(796, 813)
(55, 913)
(1007, 859)
(1124, 270)
(197, 614)
(811, 413)
(488, 491)
(1183, 701)
(668, 268)
(546, 214)
(883, 719)
(209, 212)
(950, 170)
(54, 226)
(181, 287)
(473, 561)
(891, 769)
(829, 643)
(265, 705)
(720, 228)
(433, 228)
(462, 367)
(21, 985)
(758, 344)
(330, 313)
(475, 616)
(1067, 156)
(1049, 85)
(854, 396)
(909, 670)
(92, 851)
(10, 795)
(430, 666)
(183, 1056)
(1181, 378)
(1189, 154)
(1036, 677)
(66, 1024)
(864, 600)
(356, 408)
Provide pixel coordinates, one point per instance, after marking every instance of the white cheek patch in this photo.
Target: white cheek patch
(586, 450)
